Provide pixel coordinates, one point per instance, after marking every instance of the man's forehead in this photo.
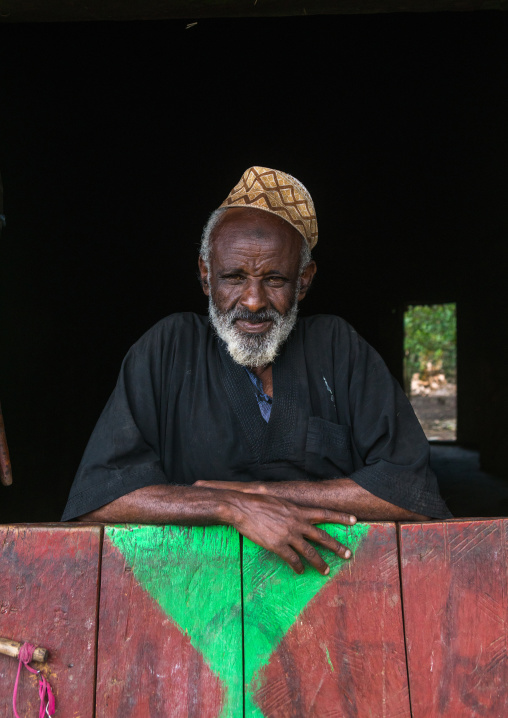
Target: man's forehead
(253, 222)
(250, 232)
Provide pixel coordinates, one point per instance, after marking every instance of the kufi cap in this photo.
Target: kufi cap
(280, 194)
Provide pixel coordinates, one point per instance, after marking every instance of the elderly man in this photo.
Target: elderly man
(251, 417)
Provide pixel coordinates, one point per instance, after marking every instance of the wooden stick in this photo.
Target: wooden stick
(5, 462)
(11, 648)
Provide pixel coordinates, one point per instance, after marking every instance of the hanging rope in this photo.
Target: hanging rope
(47, 706)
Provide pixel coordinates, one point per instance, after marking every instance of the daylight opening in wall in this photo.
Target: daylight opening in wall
(430, 367)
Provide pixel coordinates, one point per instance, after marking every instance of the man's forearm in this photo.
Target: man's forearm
(336, 494)
(341, 494)
(181, 505)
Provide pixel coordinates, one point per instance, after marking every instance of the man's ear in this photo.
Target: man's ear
(306, 279)
(203, 275)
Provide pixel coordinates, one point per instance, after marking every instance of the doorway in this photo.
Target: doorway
(430, 367)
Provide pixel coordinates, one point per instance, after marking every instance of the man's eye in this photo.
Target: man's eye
(276, 281)
(233, 278)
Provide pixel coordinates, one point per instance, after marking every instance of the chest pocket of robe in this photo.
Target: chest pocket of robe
(328, 449)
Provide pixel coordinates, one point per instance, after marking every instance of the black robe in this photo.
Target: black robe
(183, 410)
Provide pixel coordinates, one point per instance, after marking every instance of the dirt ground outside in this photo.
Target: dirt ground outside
(437, 413)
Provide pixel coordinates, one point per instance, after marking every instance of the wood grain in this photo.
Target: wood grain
(339, 650)
(48, 596)
(454, 579)
(170, 637)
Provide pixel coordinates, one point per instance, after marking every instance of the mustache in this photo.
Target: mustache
(245, 315)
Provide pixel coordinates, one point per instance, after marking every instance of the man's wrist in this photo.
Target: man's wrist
(228, 507)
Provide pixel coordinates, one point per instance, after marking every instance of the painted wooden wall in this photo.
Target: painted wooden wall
(454, 583)
(185, 622)
(49, 581)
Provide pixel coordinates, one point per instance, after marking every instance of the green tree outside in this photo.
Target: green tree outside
(430, 341)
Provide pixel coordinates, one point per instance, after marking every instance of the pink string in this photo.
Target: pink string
(47, 705)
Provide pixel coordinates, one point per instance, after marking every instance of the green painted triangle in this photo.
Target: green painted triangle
(193, 573)
(274, 597)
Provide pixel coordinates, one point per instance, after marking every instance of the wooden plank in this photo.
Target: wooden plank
(65, 10)
(326, 646)
(454, 580)
(48, 596)
(170, 636)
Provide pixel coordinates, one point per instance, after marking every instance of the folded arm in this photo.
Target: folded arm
(335, 494)
(272, 522)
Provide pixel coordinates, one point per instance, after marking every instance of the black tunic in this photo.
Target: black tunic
(183, 410)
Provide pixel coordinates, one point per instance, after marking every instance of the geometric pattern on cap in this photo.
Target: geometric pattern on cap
(279, 193)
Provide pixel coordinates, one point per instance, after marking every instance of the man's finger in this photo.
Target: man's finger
(291, 557)
(308, 551)
(223, 485)
(324, 538)
(329, 516)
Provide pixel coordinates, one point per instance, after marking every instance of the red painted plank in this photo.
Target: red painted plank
(454, 580)
(48, 596)
(170, 605)
(344, 654)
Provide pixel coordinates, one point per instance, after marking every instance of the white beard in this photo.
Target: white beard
(253, 350)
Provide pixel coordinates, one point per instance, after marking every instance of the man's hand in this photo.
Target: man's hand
(336, 494)
(286, 529)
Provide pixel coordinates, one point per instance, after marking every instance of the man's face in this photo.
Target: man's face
(254, 283)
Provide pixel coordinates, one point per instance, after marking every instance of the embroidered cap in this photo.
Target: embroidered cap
(280, 194)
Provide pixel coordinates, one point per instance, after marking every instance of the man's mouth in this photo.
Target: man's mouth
(250, 327)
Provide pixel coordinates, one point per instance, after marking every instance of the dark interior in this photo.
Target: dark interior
(118, 139)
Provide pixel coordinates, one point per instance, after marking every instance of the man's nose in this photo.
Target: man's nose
(254, 296)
